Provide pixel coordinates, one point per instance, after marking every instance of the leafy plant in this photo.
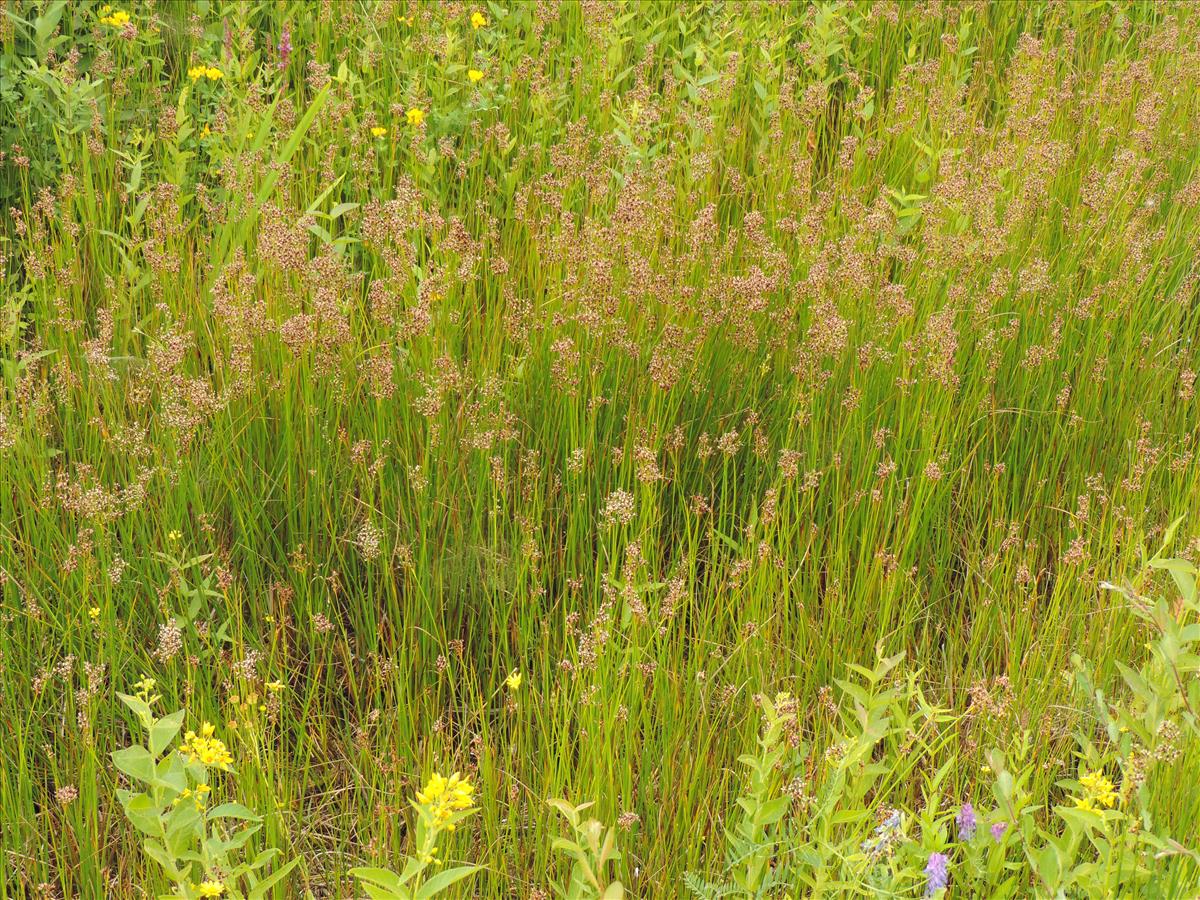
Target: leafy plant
(441, 806)
(1095, 836)
(198, 599)
(592, 848)
(198, 846)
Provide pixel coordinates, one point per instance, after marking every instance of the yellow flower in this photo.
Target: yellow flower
(444, 796)
(1098, 790)
(205, 132)
(213, 74)
(378, 131)
(145, 689)
(195, 73)
(405, 20)
(430, 857)
(205, 749)
(415, 116)
(201, 797)
(274, 686)
(94, 613)
(209, 889)
(478, 20)
(118, 19)
(513, 680)
(474, 75)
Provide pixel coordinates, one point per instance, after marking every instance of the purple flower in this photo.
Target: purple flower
(998, 830)
(937, 875)
(285, 47)
(966, 822)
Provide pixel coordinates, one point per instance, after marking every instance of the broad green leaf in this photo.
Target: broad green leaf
(381, 877)
(443, 880)
(379, 893)
(265, 857)
(157, 852)
(233, 811)
(136, 762)
(139, 706)
(163, 732)
(141, 812)
(260, 890)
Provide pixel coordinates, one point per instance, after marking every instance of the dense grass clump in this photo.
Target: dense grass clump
(758, 421)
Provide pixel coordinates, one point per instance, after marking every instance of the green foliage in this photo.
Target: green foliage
(1094, 836)
(198, 604)
(592, 848)
(383, 884)
(200, 847)
(411, 883)
(354, 355)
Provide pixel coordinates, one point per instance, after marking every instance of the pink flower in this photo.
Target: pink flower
(285, 47)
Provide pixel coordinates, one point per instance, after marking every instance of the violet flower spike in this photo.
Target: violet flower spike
(937, 874)
(967, 822)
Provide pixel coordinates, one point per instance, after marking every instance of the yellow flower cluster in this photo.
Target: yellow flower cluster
(145, 690)
(478, 20)
(205, 749)
(415, 116)
(116, 18)
(1097, 790)
(209, 889)
(378, 131)
(474, 75)
(212, 74)
(445, 796)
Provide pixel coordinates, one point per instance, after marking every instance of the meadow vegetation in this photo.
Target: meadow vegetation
(599, 449)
